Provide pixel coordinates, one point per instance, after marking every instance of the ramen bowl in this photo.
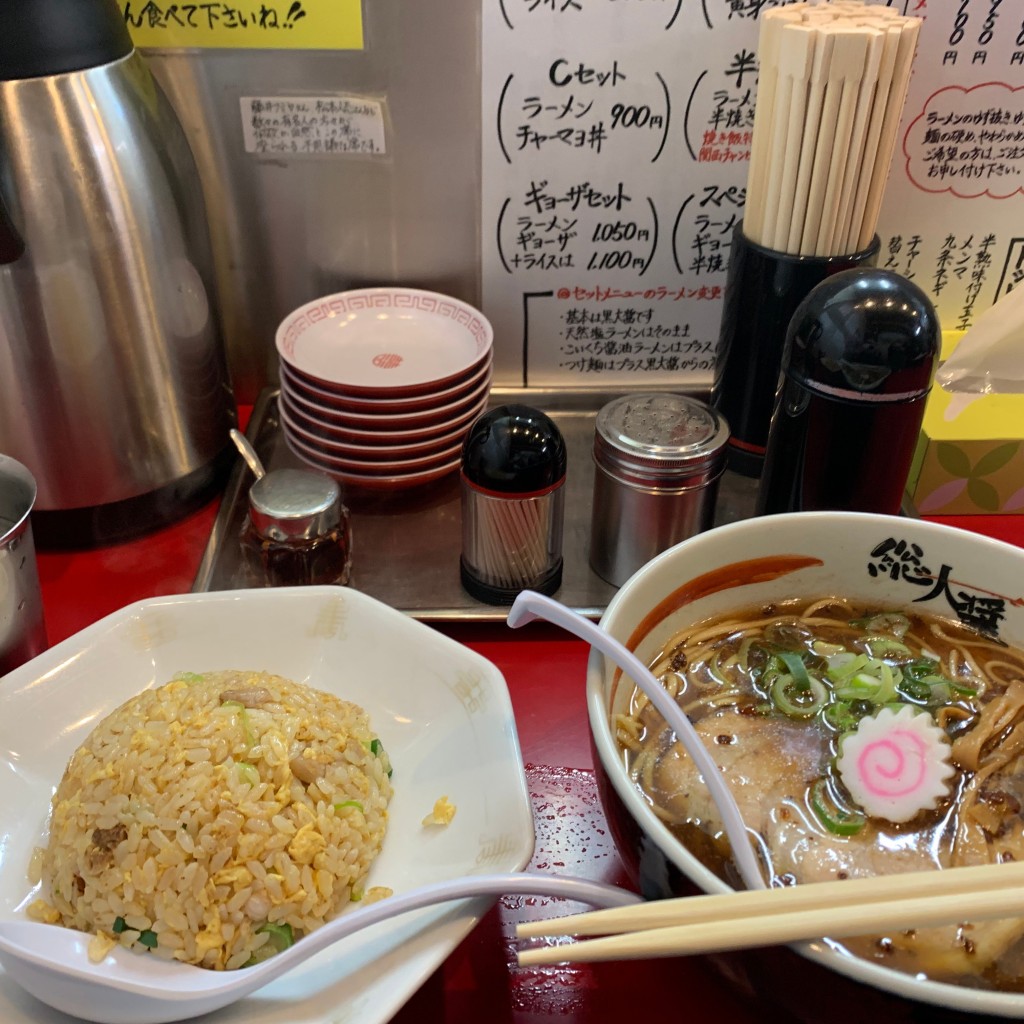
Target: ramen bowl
(873, 562)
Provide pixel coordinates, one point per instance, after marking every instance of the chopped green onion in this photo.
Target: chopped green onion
(886, 647)
(928, 671)
(878, 689)
(243, 717)
(743, 654)
(148, 939)
(896, 706)
(826, 650)
(843, 666)
(837, 819)
(119, 925)
(378, 751)
(964, 691)
(841, 715)
(919, 668)
(797, 669)
(894, 623)
(190, 677)
(349, 803)
(281, 935)
(916, 690)
(795, 702)
(247, 773)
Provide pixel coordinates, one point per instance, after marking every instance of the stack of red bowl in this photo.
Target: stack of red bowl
(380, 385)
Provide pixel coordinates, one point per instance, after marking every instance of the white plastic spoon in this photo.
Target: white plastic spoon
(530, 605)
(131, 987)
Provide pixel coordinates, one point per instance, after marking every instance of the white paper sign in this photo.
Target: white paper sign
(312, 125)
(616, 141)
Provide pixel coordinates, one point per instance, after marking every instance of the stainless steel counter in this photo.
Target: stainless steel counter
(406, 544)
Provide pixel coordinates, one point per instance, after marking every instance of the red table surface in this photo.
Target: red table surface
(545, 671)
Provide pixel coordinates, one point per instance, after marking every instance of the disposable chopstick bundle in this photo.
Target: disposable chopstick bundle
(796, 53)
(832, 85)
(860, 185)
(895, 98)
(766, 133)
(737, 920)
(842, 89)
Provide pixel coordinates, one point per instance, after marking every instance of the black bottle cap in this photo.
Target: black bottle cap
(514, 449)
(866, 334)
(53, 37)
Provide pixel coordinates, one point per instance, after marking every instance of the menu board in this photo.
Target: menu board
(616, 141)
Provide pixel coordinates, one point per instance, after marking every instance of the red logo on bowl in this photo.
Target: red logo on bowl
(387, 360)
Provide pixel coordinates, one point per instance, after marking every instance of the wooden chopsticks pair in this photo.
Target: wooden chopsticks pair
(832, 85)
(750, 918)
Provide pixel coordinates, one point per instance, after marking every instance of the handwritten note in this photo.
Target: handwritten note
(313, 125)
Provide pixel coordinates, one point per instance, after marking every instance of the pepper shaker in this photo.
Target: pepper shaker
(658, 459)
(860, 356)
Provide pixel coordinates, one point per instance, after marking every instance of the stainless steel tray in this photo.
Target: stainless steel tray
(406, 544)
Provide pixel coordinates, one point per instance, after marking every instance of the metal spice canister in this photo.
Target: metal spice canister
(658, 459)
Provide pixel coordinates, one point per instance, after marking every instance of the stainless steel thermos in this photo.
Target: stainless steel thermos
(114, 389)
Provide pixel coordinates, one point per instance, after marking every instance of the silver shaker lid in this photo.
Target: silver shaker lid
(294, 504)
(660, 436)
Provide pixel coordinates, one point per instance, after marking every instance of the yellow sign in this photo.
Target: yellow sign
(246, 24)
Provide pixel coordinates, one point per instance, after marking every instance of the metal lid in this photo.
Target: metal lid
(294, 504)
(660, 435)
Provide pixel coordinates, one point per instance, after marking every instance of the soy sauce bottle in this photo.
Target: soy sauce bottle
(860, 355)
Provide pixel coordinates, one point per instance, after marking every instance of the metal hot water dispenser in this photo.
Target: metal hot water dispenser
(114, 389)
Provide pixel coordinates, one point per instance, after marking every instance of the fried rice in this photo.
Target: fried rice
(217, 818)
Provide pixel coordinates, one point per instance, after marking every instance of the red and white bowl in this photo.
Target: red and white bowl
(760, 562)
(385, 422)
(386, 403)
(371, 454)
(374, 436)
(379, 342)
(380, 385)
(383, 478)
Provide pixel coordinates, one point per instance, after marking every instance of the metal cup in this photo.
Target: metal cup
(22, 628)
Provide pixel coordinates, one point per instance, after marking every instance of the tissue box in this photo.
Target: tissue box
(970, 455)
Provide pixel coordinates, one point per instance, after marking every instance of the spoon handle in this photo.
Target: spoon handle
(596, 894)
(530, 605)
(248, 453)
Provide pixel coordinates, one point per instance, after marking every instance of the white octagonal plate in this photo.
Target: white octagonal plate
(442, 711)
